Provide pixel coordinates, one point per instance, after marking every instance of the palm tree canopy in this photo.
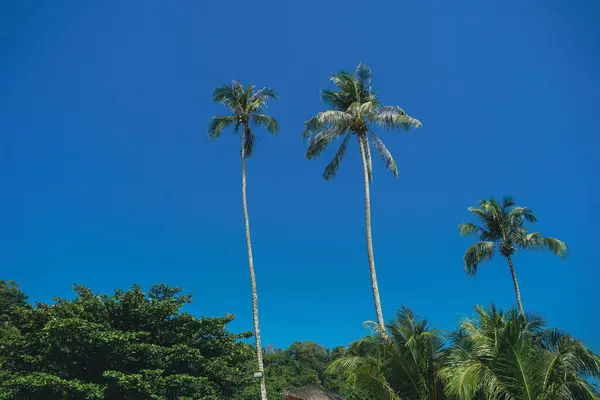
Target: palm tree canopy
(355, 109)
(246, 105)
(503, 227)
(505, 355)
(399, 363)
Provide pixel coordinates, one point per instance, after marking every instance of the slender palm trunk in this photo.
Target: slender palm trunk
(259, 356)
(374, 285)
(516, 283)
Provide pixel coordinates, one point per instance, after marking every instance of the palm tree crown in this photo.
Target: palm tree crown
(401, 362)
(503, 228)
(355, 108)
(246, 105)
(503, 355)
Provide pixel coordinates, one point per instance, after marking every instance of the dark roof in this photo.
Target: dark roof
(311, 393)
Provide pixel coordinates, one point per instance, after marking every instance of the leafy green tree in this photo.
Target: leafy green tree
(402, 362)
(355, 110)
(302, 364)
(11, 295)
(503, 355)
(503, 228)
(132, 345)
(246, 106)
(14, 309)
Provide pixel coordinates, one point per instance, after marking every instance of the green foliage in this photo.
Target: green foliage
(132, 345)
(503, 228)
(355, 109)
(301, 364)
(46, 386)
(401, 362)
(11, 295)
(13, 303)
(136, 345)
(503, 355)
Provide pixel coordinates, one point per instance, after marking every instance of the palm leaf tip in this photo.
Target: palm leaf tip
(534, 241)
(395, 118)
(466, 229)
(507, 201)
(385, 154)
(217, 124)
(477, 253)
(269, 123)
(318, 143)
(334, 165)
(223, 93)
(557, 246)
(266, 93)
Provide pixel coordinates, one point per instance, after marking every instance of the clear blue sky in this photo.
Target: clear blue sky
(108, 178)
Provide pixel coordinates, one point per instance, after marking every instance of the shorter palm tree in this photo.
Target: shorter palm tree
(503, 228)
(503, 355)
(246, 106)
(401, 362)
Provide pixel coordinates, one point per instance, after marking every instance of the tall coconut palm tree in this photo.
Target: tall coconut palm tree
(503, 355)
(246, 106)
(503, 228)
(355, 112)
(402, 362)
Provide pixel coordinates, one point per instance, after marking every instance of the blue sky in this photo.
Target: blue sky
(108, 177)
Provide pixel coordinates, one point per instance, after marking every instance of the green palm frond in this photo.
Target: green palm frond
(399, 362)
(385, 154)
(507, 201)
(477, 253)
(517, 214)
(491, 207)
(366, 374)
(347, 84)
(381, 388)
(334, 165)
(336, 100)
(247, 142)
(461, 376)
(269, 123)
(570, 353)
(534, 241)
(265, 93)
(349, 365)
(226, 95)
(518, 367)
(504, 355)
(490, 222)
(394, 118)
(364, 73)
(467, 228)
(481, 213)
(318, 143)
(217, 124)
(257, 100)
(326, 119)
